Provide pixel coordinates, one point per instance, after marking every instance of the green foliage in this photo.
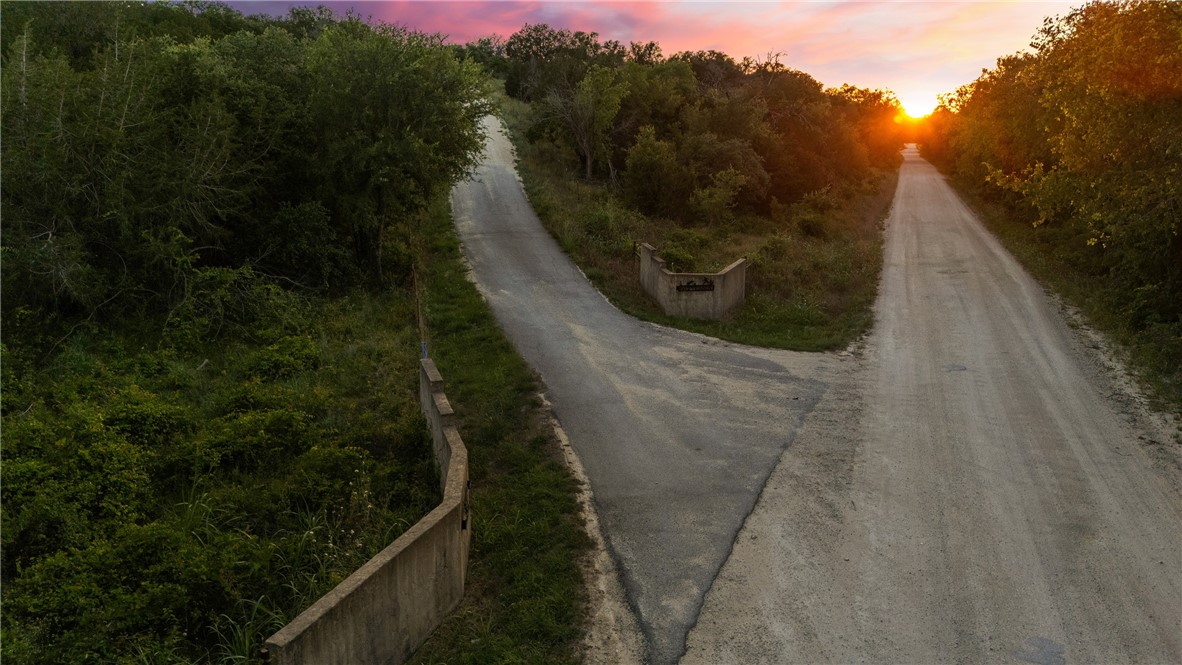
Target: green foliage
(416, 136)
(715, 203)
(145, 500)
(698, 135)
(185, 170)
(814, 264)
(197, 444)
(78, 29)
(584, 113)
(525, 600)
(166, 504)
(657, 92)
(285, 358)
(653, 177)
(811, 215)
(713, 69)
(608, 225)
(875, 116)
(714, 160)
(541, 58)
(1081, 137)
(682, 248)
(148, 145)
(303, 239)
(489, 53)
(237, 302)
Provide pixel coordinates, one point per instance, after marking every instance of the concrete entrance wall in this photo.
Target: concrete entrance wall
(381, 613)
(693, 295)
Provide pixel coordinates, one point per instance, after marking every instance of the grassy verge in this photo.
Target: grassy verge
(525, 600)
(1053, 255)
(814, 266)
(169, 500)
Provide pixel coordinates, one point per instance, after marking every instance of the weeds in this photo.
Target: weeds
(814, 265)
(238, 635)
(525, 601)
(148, 488)
(1154, 353)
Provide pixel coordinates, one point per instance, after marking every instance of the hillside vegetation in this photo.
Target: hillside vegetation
(223, 239)
(709, 159)
(1074, 152)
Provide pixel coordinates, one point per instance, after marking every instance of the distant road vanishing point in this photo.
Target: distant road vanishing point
(999, 500)
(959, 490)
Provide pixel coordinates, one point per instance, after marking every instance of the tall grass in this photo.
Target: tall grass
(814, 265)
(525, 602)
(150, 488)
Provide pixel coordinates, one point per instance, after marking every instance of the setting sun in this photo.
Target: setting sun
(918, 105)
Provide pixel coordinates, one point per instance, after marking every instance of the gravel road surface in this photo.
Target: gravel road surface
(979, 487)
(677, 432)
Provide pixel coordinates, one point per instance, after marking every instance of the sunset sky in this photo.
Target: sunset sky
(917, 49)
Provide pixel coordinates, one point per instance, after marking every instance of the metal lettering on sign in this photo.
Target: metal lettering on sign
(706, 285)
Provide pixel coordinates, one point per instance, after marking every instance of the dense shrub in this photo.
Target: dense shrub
(700, 138)
(1081, 138)
(197, 442)
(148, 493)
(140, 156)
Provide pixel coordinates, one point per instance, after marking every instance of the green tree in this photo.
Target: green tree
(1112, 72)
(714, 203)
(1086, 131)
(712, 69)
(877, 116)
(127, 170)
(586, 113)
(542, 59)
(657, 93)
(654, 181)
(397, 122)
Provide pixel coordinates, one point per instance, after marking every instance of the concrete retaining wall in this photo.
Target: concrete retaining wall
(693, 295)
(381, 613)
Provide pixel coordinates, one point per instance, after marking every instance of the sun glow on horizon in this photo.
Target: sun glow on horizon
(918, 105)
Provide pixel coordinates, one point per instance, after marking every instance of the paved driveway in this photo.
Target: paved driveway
(677, 432)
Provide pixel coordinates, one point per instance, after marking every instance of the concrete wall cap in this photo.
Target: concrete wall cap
(432, 372)
(442, 405)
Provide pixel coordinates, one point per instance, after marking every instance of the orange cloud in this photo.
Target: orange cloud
(915, 48)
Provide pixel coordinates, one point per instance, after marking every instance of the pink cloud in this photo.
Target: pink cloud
(920, 47)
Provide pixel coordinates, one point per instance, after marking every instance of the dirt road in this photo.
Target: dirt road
(977, 488)
(677, 432)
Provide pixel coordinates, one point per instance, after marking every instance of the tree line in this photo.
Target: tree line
(696, 136)
(160, 157)
(209, 224)
(1082, 136)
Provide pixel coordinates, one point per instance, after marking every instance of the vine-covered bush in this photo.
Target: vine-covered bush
(155, 500)
(197, 440)
(154, 155)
